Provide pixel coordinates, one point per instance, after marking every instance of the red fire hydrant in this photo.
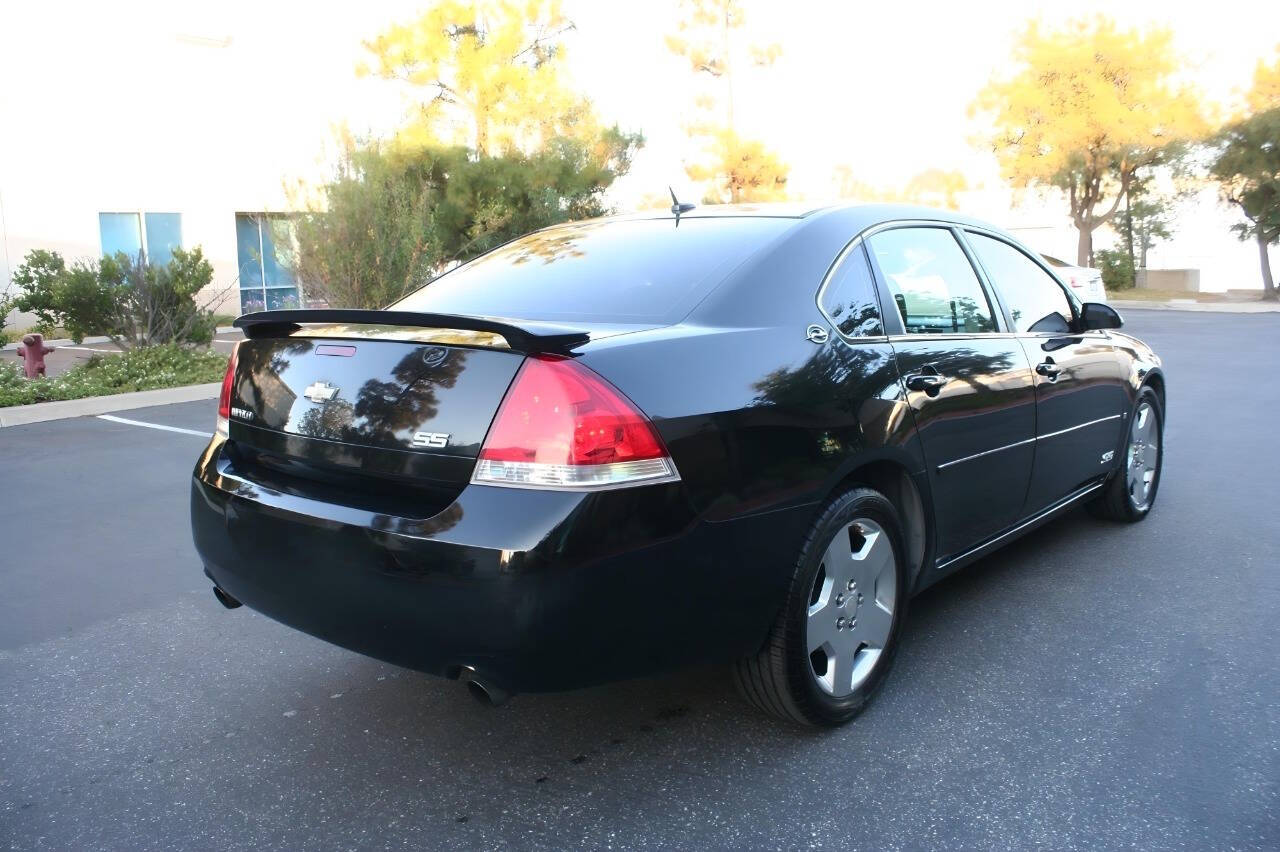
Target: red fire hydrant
(32, 352)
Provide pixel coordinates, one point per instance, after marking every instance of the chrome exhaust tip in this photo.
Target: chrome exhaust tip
(484, 691)
(225, 599)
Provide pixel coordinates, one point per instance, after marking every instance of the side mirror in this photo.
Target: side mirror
(1095, 316)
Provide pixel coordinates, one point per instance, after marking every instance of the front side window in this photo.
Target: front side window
(931, 281)
(849, 298)
(266, 249)
(1036, 302)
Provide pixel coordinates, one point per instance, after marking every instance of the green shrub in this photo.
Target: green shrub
(163, 366)
(1117, 268)
(133, 302)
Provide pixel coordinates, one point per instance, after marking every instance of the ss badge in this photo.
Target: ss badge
(430, 440)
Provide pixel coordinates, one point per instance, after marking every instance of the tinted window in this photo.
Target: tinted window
(620, 271)
(932, 281)
(1035, 300)
(850, 297)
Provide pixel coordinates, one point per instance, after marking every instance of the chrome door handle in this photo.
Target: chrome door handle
(1048, 369)
(930, 383)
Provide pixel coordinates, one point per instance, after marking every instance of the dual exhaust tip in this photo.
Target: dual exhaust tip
(481, 688)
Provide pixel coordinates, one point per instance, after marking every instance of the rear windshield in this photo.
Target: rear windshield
(645, 270)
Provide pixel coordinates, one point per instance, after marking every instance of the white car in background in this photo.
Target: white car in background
(1087, 283)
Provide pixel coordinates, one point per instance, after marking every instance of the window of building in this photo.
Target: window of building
(266, 250)
(849, 298)
(154, 234)
(1035, 300)
(932, 282)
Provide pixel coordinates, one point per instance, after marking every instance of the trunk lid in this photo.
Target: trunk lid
(370, 407)
(316, 407)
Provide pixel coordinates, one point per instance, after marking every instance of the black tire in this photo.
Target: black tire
(1116, 503)
(780, 679)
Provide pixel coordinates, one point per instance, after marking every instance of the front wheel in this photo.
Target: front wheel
(834, 639)
(1131, 492)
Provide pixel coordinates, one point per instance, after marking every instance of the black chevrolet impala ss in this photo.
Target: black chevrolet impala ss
(745, 435)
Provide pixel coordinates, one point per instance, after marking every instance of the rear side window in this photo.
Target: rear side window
(849, 298)
(646, 270)
(932, 282)
(1036, 302)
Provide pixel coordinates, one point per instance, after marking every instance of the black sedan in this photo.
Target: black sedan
(745, 435)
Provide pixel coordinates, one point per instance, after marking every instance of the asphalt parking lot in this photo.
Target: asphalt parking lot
(1092, 686)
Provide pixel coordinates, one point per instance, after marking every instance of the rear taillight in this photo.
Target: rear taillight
(563, 426)
(224, 397)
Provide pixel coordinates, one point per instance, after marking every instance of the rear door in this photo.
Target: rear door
(968, 382)
(1080, 389)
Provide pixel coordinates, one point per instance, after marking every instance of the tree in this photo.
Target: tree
(931, 187)
(1089, 107)
(1265, 93)
(736, 168)
(492, 72)
(740, 170)
(1247, 167)
(1147, 219)
(368, 238)
(1248, 173)
(132, 301)
(498, 146)
(394, 216)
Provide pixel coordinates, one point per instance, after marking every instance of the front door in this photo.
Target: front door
(968, 383)
(1080, 392)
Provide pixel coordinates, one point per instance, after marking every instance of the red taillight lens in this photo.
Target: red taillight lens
(224, 397)
(561, 425)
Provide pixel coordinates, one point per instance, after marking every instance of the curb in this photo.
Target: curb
(1197, 307)
(39, 412)
(66, 341)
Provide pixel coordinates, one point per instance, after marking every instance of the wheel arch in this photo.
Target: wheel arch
(1155, 381)
(894, 480)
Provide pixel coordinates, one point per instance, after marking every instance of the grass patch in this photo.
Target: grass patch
(168, 366)
(221, 320)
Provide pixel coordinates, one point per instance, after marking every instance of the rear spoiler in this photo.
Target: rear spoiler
(525, 337)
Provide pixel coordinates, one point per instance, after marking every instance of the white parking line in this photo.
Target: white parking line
(129, 422)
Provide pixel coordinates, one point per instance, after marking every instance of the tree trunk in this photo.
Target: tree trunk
(1128, 230)
(1268, 283)
(1084, 249)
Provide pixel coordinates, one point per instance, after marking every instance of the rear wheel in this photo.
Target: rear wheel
(833, 641)
(1131, 492)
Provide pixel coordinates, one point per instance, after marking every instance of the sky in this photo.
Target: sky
(246, 92)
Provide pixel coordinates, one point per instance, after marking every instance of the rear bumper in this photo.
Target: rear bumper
(535, 590)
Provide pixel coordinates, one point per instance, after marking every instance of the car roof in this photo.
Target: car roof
(857, 216)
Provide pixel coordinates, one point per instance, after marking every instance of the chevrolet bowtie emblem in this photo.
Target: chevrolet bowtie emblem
(320, 392)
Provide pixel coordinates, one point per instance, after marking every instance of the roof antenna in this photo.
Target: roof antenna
(676, 207)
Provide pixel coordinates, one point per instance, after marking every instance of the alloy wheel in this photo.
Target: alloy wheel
(1143, 456)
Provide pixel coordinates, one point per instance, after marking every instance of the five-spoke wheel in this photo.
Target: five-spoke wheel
(1143, 457)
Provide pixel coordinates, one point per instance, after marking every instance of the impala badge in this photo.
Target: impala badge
(320, 392)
